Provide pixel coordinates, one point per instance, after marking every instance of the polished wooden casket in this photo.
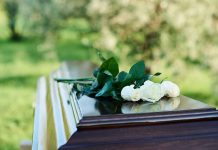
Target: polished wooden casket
(69, 122)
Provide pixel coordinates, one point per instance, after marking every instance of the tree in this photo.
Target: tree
(11, 8)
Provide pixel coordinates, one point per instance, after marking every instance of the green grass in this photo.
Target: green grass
(199, 85)
(21, 64)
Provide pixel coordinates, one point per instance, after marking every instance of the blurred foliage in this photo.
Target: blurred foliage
(11, 8)
(177, 38)
(154, 30)
(167, 34)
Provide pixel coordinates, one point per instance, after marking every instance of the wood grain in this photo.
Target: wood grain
(186, 135)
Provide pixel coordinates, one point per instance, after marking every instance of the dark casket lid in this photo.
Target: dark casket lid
(107, 113)
(94, 107)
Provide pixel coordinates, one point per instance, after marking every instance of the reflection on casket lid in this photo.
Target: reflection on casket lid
(95, 107)
(144, 107)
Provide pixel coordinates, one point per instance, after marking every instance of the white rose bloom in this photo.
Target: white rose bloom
(170, 88)
(130, 94)
(151, 92)
(135, 96)
(148, 83)
(126, 92)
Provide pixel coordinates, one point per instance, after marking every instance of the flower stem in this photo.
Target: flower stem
(74, 80)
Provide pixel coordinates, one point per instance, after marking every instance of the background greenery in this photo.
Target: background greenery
(177, 38)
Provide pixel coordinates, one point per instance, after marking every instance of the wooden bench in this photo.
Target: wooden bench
(64, 122)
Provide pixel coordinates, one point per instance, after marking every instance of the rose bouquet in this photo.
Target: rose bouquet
(133, 85)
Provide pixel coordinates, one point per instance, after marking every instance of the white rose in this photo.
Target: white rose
(135, 96)
(130, 94)
(148, 83)
(170, 88)
(126, 92)
(151, 92)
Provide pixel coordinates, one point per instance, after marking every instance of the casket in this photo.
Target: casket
(67, 121)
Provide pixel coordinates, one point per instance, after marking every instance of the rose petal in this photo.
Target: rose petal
(151, 92)
(170, 88)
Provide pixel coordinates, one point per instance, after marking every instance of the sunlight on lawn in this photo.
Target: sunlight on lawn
(21, 65)
(16, 114)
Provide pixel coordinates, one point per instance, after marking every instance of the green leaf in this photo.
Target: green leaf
(106, 88)
(157, 74)
(122, 76)
(123, 79)
(141, 81)
(154, 75)
(95, 72)
(115, 95)
(103, 78)
(107, 73)
(94, 85)
(127, 81)
(163, 79)
(111, 65)
(138, 70)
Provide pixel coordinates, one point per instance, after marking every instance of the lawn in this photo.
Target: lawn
(21, 64)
